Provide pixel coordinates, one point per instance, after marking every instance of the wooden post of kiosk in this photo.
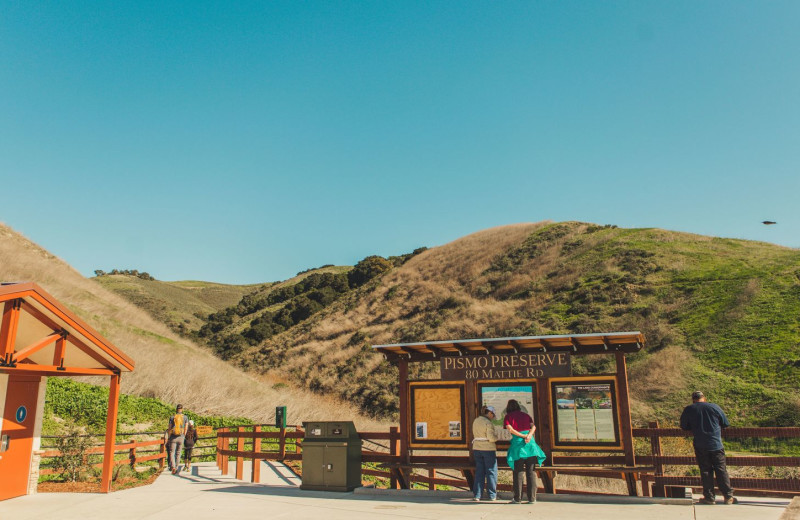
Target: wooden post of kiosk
(111, 434)
(402, 366)
(544, 428)
(625, 422)
(405, 456)
(473, 409)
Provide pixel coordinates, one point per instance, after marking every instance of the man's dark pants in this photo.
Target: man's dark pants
(711, 463)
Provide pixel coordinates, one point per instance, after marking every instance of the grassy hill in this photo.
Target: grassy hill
(182, 306)
(720, 315)
(168, 367)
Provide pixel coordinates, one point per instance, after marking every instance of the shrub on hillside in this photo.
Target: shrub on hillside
(129, 272)
(367, 269)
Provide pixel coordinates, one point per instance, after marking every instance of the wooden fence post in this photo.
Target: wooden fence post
(162, 452)
(255, 474)
(226, 445)
(394, 451)
(282, 444)
(655, 448)
(219, 448)
(239, 458)
(132, 457)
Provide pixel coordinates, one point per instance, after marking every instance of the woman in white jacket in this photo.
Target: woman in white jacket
(485, 451)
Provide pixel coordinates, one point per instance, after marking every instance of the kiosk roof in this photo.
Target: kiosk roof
(34, 322)
(600, 343)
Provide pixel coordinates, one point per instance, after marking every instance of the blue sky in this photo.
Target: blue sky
(242, 142)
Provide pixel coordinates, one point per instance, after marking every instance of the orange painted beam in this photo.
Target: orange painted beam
(36, 347)
(8, 328)
(61, 349)
(45, 370)
(111, 434)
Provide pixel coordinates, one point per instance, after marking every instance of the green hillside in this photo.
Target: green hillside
(718, 314)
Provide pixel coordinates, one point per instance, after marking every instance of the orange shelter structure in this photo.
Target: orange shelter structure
(41, 338)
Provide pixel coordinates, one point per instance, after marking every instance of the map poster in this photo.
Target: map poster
(499, 395)
(585, 413)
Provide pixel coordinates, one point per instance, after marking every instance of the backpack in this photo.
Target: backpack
(177, 424)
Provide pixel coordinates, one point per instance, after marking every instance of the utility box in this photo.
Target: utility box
(331, 456)
(280, 417)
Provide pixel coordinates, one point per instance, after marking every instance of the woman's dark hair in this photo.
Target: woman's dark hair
(512, 406)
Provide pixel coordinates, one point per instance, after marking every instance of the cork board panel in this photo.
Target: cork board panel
(437, 415)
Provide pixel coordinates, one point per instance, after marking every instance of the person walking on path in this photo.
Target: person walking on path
(485, 451)
(523, 453)
(176, 432)
(706, 420)
(188, 444)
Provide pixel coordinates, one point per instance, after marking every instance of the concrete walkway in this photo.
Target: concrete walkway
(205, 493)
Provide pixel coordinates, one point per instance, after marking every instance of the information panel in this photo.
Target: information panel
(437, 415)
(585, 413)
(498, 393)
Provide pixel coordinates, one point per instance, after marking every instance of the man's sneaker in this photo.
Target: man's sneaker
(731, 500)
(492, 499)
(515, 501)
(707, 501)
(476, 499)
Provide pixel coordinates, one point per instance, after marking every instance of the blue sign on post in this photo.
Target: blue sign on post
(22, 414)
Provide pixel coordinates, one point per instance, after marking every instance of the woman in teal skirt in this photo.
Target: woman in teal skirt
(523, 453)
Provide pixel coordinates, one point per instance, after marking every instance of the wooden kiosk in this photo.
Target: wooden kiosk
(41, 338)
(589, 414)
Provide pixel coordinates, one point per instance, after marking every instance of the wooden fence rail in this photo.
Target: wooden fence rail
(138, 452)
(661, 482)
(435, 470)
(656, 472)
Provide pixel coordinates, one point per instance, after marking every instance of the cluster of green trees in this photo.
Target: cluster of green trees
(293, 304)
(300, 301)
(129, 272)
(314, 269)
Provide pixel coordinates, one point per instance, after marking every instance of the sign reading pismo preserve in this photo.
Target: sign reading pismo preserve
(506, 366)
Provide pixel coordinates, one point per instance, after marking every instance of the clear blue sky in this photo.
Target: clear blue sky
(242, 141)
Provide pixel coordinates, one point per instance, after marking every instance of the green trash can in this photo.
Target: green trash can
(331, 456)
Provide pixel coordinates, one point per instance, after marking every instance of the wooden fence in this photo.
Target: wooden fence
(661, 480)
(657, 472)
(650, 476)
(139, 452)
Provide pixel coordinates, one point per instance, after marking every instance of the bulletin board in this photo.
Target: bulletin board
(585, 413)
(438, 415)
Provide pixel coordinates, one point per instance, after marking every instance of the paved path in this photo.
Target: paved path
(207, 494)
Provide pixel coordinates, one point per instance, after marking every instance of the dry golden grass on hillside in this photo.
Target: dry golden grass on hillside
(426, 281)
(167, 366)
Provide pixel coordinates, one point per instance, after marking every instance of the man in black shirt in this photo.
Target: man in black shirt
(706, 421)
